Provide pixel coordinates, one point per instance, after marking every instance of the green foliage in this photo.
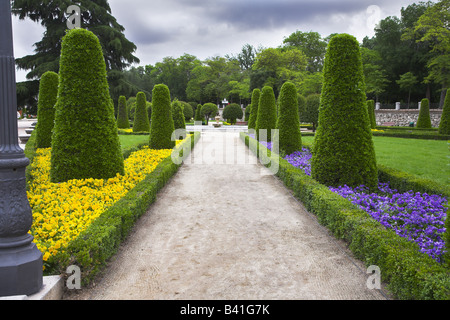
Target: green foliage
(312, 110)
(198, 113)
(371, 111)
(48, 92)
(301, 107)
(254, 112)
(122, 116)
(424, 120)
(209, 110)
(343, 147)
(288, 123)
(267, 114)
(162, 125)
(232, 112)
(188, 112)
(248, 111)
(444, 125)
(85, 143)
(141, 122)
(177, 115)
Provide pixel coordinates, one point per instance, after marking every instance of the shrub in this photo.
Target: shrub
(209, 110)
(311, 114)
(131, 107)
(248, 111)
(122, 116)
(85, 143)
(188, 112)
(141, 122)
(149, 111)
(267, 113)
(48, 92)
(162, 126)
(232, 112)
(444, 125)
(343, 151)
(198, 113)
(371, 111)
(254, 112)
(288, 124)
(424, 120)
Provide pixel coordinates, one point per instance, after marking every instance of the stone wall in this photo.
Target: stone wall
(403, 117)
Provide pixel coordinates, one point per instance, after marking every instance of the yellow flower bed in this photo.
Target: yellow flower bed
(376, 130)
(61, 211)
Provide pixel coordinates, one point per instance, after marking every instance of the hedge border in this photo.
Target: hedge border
(100, 241)
(409, 274)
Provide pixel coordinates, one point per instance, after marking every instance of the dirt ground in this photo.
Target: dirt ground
(226, 229)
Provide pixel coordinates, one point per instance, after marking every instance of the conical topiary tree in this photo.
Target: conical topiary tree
(48, 92)
(444, 124)
(343, 151)
(122, 115)
(254, 111)
(162, 126)
(85, 143)
(424, 120)
(178, 117)
(267, 114)
(371, 111)
(141, 122)
(198, 113)
(288, 124)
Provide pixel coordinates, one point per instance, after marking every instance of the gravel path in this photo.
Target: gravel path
(229, 232)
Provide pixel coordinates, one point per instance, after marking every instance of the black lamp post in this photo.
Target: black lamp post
(20, 260)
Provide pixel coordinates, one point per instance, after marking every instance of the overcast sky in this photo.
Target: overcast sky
(206, 28)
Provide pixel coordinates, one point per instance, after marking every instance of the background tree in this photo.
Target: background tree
(162, 126)
(288, 123)
(177, 115)
(301, 107)
(343, 150)
(267, 114)
(254, 112)
(85, 143)
(232, 112)
(48, 92)
(424, 120)
(188, 113)
(407, 82)
(198, 113)
(122, 115)
(96, 17)
(209, 110)
(141, 122)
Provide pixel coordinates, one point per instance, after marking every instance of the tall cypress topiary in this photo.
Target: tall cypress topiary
(178, 115)
(424, 120)
(141, 122)
(162, 126)
(198, 113)
(254, 112)
(371, 111)
(85, 143)
(267, 114)
(122, 116)
(343, 151)
(444, 124)
(48, 92)
(288, 123)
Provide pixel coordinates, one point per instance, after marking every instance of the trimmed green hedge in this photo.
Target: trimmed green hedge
(444, 124)
(254, 111)
(48, 92)
(409, 273)
(101, 240)
(161, 127)
(141, 121)
(424, 120)
(122, 114)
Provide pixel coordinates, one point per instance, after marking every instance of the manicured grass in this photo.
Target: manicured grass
(428, 159)
(130, 141)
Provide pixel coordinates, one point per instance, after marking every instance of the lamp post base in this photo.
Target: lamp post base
(20, 267)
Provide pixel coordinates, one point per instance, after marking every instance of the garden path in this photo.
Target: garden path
(224, 230)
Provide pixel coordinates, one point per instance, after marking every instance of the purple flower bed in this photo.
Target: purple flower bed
(418, 217)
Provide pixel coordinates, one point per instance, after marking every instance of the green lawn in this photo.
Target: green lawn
(128, 141)
(428, 159)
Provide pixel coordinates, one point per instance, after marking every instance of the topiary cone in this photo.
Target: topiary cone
(288, 123)
(424, 120)
(85, 142)
(444, 124)
(162, 126)
(122, 114)
(48, 92)
(141, 121)
(267, 114)
(343, 152)
(254, 111)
